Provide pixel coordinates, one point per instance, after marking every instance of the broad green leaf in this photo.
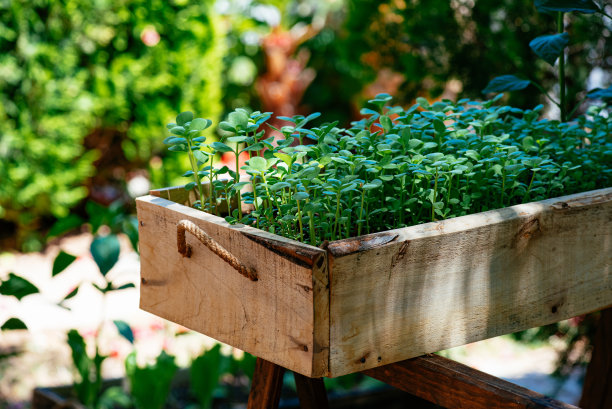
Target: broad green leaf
(227, 127)
(423, 102)
(439, 126)
(17, 286)
(150, 385)
(567, 6)
(184, 117)
(205, 373)
(13, 324)
(199, 124)
(189, 186)
(65, 224)
(221, 147)
(105, 252)
(239, 119)
(598, 93)
(62, 260)
(124, 330)
(386, 123)
(549, 47)
(506, 83)
(300, 196)
(258, 163)
(201, 156)
(237, 139)
(177, 130)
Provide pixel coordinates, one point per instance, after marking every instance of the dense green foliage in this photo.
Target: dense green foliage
(397, 167)
(428, 43)
(80, 74)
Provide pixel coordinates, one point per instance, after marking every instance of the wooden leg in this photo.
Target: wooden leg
(453, 385)
(266, 386)
(311, 392)
(597, 390)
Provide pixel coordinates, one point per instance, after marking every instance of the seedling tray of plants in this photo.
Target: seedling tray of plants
(411, 232)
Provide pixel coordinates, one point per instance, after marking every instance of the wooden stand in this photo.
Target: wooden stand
(449, 384)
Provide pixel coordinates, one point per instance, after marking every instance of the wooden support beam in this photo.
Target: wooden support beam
(453, 385)
(311, 392)
(266, 386)
(597, 390)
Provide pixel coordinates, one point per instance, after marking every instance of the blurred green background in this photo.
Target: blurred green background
(86, 86)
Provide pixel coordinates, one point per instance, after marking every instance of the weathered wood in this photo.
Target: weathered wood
(385, 297)
(266, 386)
(311, 392)
(453, 385)
(439, 285)
(273, 318)
(597, 390)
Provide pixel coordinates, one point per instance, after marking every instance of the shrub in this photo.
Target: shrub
(109, 71)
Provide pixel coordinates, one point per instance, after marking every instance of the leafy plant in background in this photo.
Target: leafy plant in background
(150, 385)
(552, 48)
(397, 167)
(78, 83)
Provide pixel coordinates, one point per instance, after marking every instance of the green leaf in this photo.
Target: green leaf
(205, 372)
(506, 83)
(199, 124)
(549, 47)
(124, 286)
(221, 147)
(124, 330)
(65, 224)
(598, 93)
(239, 119)
(200, 156)
(189, 186)
(567, 6)
(439, 126)
(184, 117)
(386, 123)
(226, 126)
(73, 293)
(150, 386)
(258, 163)
(62, 261)
(422, 102)
(301, 196)
(237, 139)
(17, 286)
(105, 252)
(12, 324)
(177, 130)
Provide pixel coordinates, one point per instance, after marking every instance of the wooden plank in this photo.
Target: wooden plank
(452, 385)
(421, 289)
(311, 392)
(597, 390)
(266, 386)
(272, 318)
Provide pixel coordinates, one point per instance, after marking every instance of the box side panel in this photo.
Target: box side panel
(272, 318)
(430, 287)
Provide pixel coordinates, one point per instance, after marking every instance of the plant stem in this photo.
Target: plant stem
(194, 167)
(360, 213)
(561, 70)
(300, 221)
(238, 197)
(433, 204)
(210, 186)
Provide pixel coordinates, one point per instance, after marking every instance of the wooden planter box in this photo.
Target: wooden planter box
(384, 297)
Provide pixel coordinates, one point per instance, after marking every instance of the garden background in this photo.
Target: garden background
(86, 88)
